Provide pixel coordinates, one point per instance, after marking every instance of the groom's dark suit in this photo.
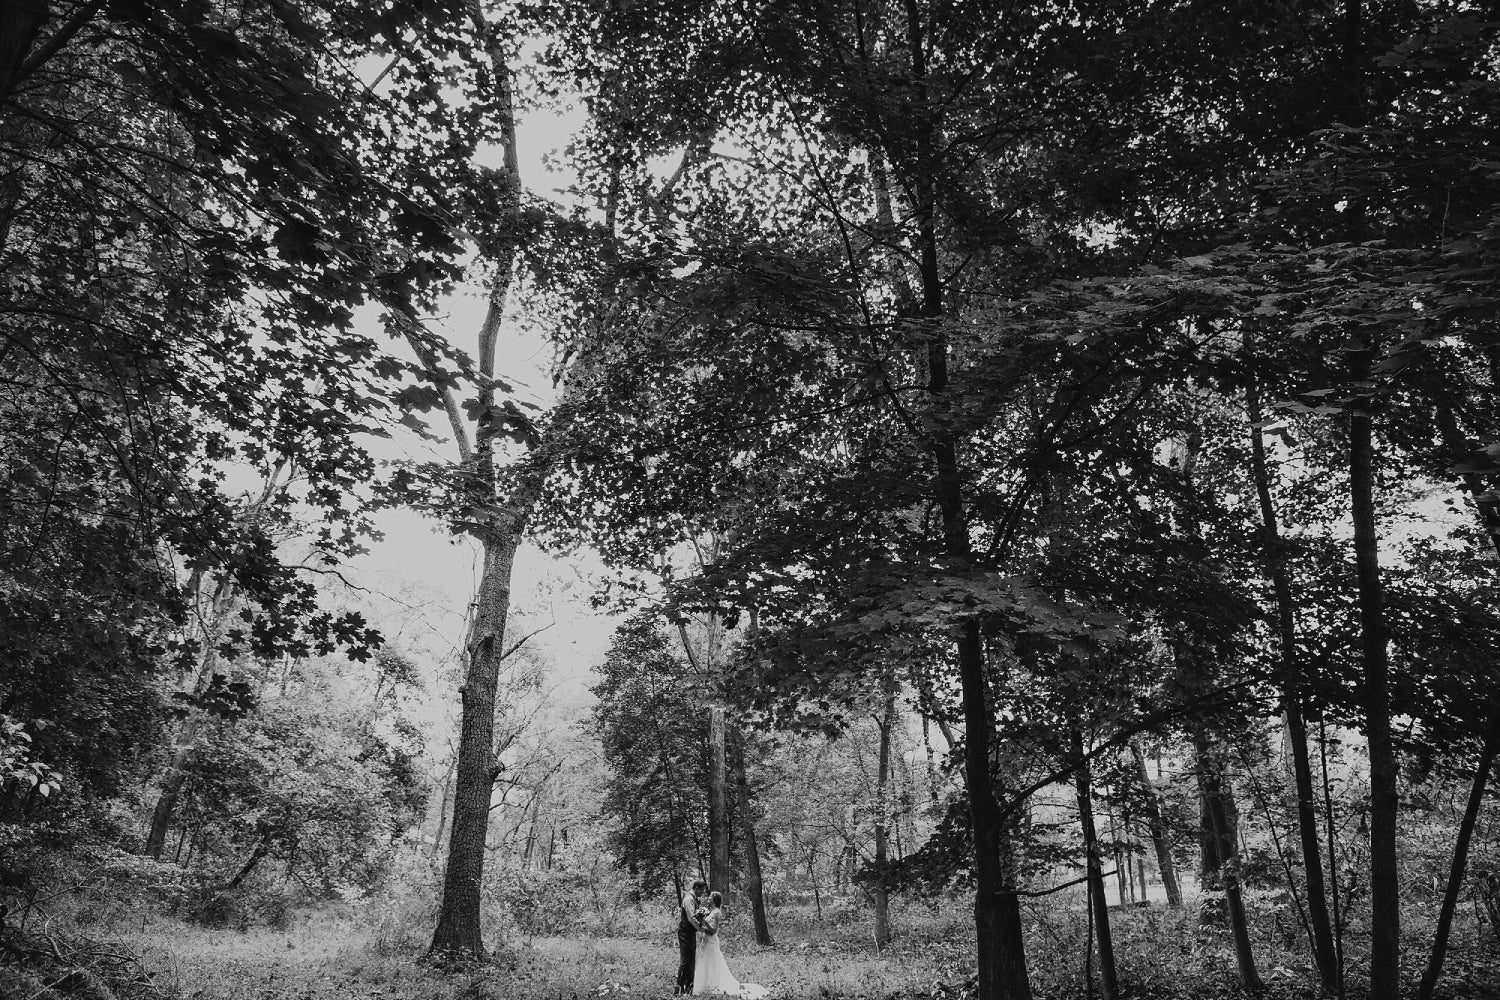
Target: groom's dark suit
(687, 944)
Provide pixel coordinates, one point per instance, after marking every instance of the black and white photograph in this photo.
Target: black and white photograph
(767, 499)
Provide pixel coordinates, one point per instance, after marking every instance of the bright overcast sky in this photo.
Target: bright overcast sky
(419, 558)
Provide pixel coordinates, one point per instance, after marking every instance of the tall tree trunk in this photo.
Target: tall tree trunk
(707, 665)
(457, 934)
(1108, 980)
(1000, 948)
(754, 884)
(1221, 847)
(1151, 804)
(1385, 899)
(1324, 952)
(718, 804)
(880, 890)
(1460, 862)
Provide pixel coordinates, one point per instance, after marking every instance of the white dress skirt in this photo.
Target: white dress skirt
(711, 975)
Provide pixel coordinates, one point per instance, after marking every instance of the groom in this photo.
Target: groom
(687, 937)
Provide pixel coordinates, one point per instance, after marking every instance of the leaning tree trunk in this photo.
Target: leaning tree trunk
(1221, 847)
(1108, 979)
(458, 933)
(1157, 826)
(1324, 952)
(262, 848)
(1460, 862)
(186, 745)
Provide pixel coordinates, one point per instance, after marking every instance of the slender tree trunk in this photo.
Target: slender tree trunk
(1140, 870)
(1108, 980)
(718, 804)
(1121, 869)
(1220, 841)
(1333, 861)
(1157, 826)
(443, 806)
(1385, 899)
(880, 890)
(754, 884)
(458, 934)
(1324, 952)
(1460, 862)
(262, 848)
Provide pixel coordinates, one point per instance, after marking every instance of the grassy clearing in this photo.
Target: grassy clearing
(342, 955)
(1163, 955)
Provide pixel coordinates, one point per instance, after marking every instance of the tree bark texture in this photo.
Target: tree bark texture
(458, 930)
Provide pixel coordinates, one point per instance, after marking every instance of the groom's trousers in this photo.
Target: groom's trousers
(687, 949)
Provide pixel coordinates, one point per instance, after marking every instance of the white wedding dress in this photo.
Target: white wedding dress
(711, 973)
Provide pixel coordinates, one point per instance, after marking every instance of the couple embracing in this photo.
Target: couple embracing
(701, 968)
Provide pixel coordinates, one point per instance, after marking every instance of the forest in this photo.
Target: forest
(1031, 467)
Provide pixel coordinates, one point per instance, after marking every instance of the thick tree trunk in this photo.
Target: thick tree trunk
(707, 665)
(754, 884)
(1460, 862)
(1385, 899)
(458, 934)
(1221, 849)
(1108, 979)
(880, 890)
(1156, 825)
(1324, 953)
(718, 804)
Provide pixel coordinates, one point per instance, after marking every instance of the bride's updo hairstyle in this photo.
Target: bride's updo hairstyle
(717, 897)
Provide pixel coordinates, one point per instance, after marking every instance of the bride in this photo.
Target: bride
(710, 972)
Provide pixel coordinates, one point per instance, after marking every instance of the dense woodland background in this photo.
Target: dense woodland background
(1043, 457)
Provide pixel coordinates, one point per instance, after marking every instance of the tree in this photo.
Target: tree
(654, 747)
(194, 202)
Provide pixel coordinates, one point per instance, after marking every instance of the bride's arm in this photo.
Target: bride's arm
(711, 923)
